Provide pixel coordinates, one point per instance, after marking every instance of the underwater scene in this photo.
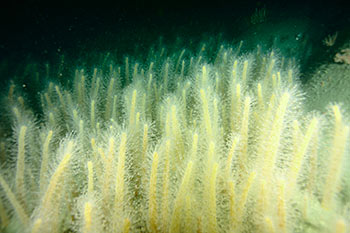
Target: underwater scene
(165, 118)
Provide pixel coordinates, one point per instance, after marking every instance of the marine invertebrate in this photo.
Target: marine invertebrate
(343, 56)
(177, 144)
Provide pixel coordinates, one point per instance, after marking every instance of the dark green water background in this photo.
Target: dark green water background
(36, 32)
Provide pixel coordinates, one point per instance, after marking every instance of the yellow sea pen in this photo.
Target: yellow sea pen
(275, 137)
(300, 154)
(20, 189)
(281, 208)
(340, 137)
(45, 161)
(56, 177)
(211, 209)
(180, 200)
(90, 178)
(126, 227)
(132, 108)
(152, 199)
(165, 191)
(14, 202)
(119, 186)
(206, 114)
(36, 226)
(87, 218)
(244, 196)
(244, 134)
